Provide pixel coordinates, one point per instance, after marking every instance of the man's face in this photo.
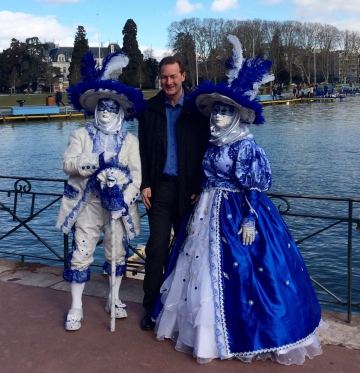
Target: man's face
(107, 110)
(171, 80)
(222, 114)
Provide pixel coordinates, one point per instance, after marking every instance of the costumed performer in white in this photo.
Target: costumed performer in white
(239, 286)
(103, 162)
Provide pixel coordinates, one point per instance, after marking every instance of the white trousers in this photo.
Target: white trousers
(90, 223)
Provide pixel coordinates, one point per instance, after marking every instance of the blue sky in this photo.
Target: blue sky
(57, 20)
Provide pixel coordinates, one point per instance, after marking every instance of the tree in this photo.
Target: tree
(11, 67)
(34, 67)
(348, 57)
(133, 73)
(275, 46)
(328, 39)
(151, 70)
(81, 46)
(309, 32)
(184, 48)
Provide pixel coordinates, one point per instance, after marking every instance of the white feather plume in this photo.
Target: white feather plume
(266, 79)
(237, 58)
(117, 62)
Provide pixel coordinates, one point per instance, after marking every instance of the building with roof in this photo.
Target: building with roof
(60, 57)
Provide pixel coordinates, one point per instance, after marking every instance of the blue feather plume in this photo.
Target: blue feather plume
(245, 76)
(224, 90)
(99, 79)
(88, 67)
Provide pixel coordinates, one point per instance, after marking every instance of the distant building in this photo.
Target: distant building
(60, 57)
(344, 68)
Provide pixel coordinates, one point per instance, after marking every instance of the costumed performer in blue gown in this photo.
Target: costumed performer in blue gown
(103, 163)
(239, 288)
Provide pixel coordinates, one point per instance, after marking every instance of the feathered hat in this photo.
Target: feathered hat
(97, 84)
(245, 76)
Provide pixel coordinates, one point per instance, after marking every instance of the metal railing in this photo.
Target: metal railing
(29, 206)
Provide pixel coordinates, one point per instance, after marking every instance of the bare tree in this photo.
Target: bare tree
(290, 33)
(307, 43)
(328, 40)
(182, 39)
(348, 55)
(272, 38)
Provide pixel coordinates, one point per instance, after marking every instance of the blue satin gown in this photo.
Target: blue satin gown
(223, 299)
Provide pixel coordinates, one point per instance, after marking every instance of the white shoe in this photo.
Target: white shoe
(73, 319)
(120, 312)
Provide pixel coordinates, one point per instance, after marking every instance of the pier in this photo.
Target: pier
(31, 112)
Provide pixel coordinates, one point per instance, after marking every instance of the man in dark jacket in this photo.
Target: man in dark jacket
(173, 141)
(58, 98)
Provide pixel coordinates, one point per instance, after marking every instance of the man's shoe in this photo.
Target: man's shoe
(147, 323)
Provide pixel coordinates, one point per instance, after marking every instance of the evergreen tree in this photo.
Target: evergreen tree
(133, 73)
(33, 68)
(81, 46)
(184, 48)
(151, 73)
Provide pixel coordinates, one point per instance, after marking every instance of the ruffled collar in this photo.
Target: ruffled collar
(234, 132)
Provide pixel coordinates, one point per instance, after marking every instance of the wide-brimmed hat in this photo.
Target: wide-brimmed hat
(205, 103)
(245, 76)
(98, 84)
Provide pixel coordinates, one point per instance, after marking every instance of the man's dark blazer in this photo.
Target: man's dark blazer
(193, 131)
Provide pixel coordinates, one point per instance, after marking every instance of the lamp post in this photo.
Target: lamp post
(196, 61)
(97, 17)
(314, 67)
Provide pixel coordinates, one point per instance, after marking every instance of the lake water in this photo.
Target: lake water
(313, 149)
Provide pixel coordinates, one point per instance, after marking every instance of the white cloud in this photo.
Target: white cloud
(223, 5)
(184, 7)
(22, 26)
(270, 2)
(157, 52)
(316, 8)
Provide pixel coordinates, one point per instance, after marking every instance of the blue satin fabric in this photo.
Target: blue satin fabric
(268, 297)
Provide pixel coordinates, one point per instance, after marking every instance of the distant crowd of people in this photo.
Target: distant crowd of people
(300, 90)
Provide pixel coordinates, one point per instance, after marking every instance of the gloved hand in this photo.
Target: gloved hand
(108, 156)
(248, 235)
(118, 213)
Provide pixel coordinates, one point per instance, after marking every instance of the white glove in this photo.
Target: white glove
(248, 235)
(117, 214)
(108, 156)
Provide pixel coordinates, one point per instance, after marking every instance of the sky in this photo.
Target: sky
(103, 20)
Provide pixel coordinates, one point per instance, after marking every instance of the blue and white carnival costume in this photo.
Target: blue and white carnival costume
(82, 205)
(236, 285)
(103, 164)
(225, 299)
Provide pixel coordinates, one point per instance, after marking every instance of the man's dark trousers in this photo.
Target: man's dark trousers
(163, 215)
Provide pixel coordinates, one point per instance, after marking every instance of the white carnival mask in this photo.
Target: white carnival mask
(222, 115)
(225, 125)
(109, 116)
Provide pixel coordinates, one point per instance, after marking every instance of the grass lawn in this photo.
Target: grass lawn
(6, 101)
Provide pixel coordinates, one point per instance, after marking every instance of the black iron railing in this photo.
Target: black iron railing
(325, 229)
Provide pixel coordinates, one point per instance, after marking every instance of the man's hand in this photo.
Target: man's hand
(248, 235)
(194, 198)
(146, 195)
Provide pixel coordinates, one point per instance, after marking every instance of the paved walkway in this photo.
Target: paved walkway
(33, 301)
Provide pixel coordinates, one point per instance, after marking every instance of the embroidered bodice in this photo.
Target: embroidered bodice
(237, 166)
